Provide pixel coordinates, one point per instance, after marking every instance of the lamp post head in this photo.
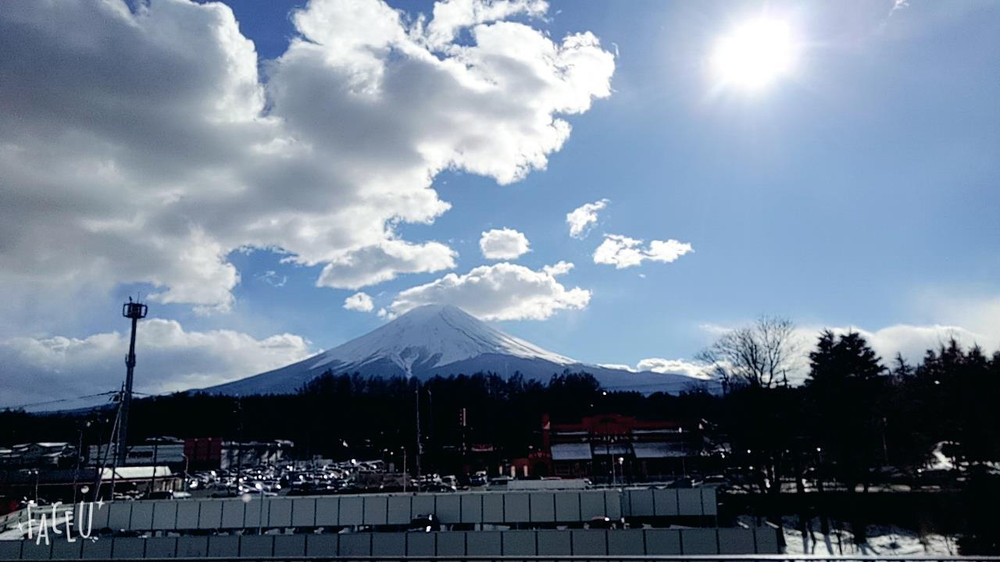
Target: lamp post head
(134, 310)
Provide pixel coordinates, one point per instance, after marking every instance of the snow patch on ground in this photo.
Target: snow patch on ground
(883, 540)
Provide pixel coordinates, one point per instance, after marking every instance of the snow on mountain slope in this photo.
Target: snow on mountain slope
(433, 335)
(443, 340)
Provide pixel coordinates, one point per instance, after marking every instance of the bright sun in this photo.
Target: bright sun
(755, 54)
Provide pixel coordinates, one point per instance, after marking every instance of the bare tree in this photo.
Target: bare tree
(759, 355)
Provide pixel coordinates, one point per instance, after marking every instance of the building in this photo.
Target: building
(39, 455)
(618, 449)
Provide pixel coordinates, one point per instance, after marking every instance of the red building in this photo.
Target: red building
(615, 448)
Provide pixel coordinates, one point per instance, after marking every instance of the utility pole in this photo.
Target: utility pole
(134, 311)
(420, 447)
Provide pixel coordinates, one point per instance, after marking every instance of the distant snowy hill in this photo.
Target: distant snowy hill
(443, 340)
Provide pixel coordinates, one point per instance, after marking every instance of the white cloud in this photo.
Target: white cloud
(583, 216)
(361, 302)
(453, 15)
(502, 291)
(560, 268)
(679, 366)
(375, 264)
(169, 359)
(503, 244)
(151, 164)
(622, 251)
(619, 366)
(912, 341)
(974, 325)
(660, 365)
(272, 278)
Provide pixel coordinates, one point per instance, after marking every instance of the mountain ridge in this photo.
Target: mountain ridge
(442, 340)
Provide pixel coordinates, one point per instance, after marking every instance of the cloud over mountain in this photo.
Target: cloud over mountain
(152, 163)
(503, 291)
(360, 302)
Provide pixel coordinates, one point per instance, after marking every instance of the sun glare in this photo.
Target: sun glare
(755, 54)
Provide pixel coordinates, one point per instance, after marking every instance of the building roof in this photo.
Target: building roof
(136, 472)
(571, 452)
(612, 449)
(659, 450)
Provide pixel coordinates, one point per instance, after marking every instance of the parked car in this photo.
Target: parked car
(426, 523)
(601, 522)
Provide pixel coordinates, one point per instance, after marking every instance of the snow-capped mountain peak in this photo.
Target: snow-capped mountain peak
(433, 335)
(443, 340)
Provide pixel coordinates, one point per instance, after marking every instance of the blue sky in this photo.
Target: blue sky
(856, 189)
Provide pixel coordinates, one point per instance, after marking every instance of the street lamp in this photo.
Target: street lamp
(260, 514)
(34, 472)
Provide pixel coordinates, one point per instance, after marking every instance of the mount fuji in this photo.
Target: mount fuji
(444, 340)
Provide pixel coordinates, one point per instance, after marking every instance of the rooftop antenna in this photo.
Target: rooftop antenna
(135, 311)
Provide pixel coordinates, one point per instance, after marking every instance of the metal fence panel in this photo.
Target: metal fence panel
(389, 544)
(519, 543)
(492, 508)
(187, 514)
(290, 545)
(626, 542)
(662, 542)
(589, 542)
(376, 510)
(591, 505)
(613, 500)
(165, 516)
(304, 512)
(665, 503)
(422, 505)
(161, 547)
(322, 545)
(223, 546)
(472, 508)
(699, 541)
(542, 507)
(96, 550)
(101, 512)
(766, 539)
(420, 544)
(351, 510)
(127, 548)
(142, 516)
(36, 551)
(278, 510)
(689, 501)
(736, 541)
(515, 509)
(709, 501)
(639, 503)
(210, 514)
(398, 510)
(256, 545)
(482, 543)
(554, 542)
(193, 547)
(327, 511)
(233, 513)
(119, 514)
(11, 550)
(567, 507)
(448, 508)
(453, 544)
(359, 544)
